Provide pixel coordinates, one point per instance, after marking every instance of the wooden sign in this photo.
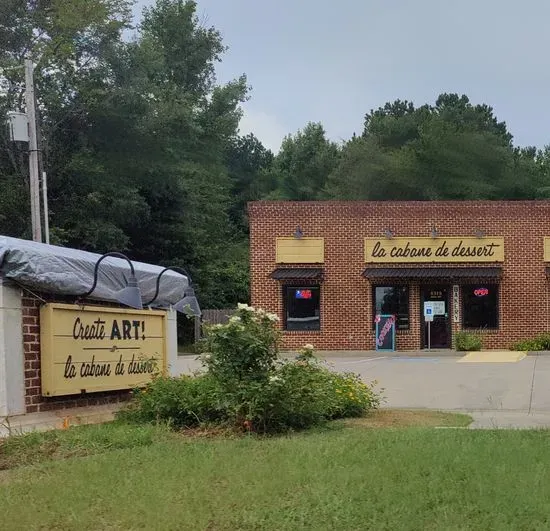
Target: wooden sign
(89, 348)
(300, 250)
(434, 250)
(547, 249)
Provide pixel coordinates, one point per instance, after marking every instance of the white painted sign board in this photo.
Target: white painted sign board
(456, 308)
(428, 311)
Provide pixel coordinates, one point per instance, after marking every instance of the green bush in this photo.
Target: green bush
(247, 387)
(468, 342)
(186, 401)
(538, 343)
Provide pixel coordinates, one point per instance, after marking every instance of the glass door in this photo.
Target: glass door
(439, 329)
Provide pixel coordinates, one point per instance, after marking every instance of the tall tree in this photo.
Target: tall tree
(303, 164)
(247, 161)
(451, 150)
(66, 40)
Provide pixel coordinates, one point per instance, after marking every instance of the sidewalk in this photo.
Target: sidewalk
(63, 418)
(500, 419)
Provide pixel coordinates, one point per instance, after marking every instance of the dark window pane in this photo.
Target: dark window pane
(480, 306)
(392, 300)
(302, 308)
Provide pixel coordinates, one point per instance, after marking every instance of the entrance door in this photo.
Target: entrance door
(439, 329)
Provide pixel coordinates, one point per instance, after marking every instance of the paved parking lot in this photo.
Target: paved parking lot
(515, 394)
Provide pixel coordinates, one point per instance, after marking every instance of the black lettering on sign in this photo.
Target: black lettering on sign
(442, 250)
(93, 369)
(137, 327)
(119, 369)
(115, 331)
(70, 369)
(96, 330)
(377, 251)
(141, 366)
(475, 250)
(126, 329)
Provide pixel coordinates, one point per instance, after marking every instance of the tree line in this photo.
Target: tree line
(144, 156)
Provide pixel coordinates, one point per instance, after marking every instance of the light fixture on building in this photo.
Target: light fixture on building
(188, 304)
(130, 295)
(480, 234)
(434, 232)
(298, 233)
(388, 233)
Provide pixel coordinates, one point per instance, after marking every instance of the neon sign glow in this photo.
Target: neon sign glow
(481, 292)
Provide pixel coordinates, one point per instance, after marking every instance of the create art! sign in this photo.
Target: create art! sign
(419, 250)
(88, 349)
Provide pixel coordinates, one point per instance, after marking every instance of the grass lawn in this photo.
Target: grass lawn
(346, 477)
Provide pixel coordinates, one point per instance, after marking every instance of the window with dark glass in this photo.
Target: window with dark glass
(392, 300)
(480, 306)
(302, 308)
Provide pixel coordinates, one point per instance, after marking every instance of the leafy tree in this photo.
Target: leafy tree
(304, 163)
(452, 150)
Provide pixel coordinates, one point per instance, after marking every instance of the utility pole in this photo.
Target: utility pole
(34, 178)
(45, 202)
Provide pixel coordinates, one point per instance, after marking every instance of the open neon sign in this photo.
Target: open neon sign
(481, 292)
(303, 294)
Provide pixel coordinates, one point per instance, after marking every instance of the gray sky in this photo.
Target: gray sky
(331, 62)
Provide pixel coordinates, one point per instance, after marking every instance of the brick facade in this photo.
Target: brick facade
(34, 401)
(346, 296)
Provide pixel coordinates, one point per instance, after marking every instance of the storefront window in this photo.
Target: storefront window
(480, 304)
(392, 300)
(302, 308)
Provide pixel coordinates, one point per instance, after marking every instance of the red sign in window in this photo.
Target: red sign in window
(303, 294)
(481, 292)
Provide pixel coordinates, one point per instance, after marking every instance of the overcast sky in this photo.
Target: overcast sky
(332, 61)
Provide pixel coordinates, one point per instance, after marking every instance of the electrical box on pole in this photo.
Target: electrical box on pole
(18, 125)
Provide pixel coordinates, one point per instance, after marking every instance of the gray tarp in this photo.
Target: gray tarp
(65, 271)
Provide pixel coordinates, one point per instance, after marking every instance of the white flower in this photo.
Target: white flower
(272, 317)
(308, 346)
(244, 307)
(235, 319)
(275, 379)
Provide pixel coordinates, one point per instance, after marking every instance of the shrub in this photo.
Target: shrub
(245, 348)
(466, 342)
(354, 397)
(186, 401)
(248, 387)
(304, 393)
(538, 343)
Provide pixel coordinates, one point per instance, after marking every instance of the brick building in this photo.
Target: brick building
(328, 269)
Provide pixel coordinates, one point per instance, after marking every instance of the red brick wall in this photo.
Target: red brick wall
(34, 401)
(346, 321)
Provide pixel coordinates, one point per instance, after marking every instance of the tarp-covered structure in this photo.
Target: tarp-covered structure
(70, 272)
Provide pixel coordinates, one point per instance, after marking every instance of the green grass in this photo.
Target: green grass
(340, 478)
(33, 448)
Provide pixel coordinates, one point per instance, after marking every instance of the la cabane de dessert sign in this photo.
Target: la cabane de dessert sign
(435, 250)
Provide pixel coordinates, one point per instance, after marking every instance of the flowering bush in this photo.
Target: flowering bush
(247, 386)
(244, 349)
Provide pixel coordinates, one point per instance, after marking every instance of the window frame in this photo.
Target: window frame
(294, 286)
(408, 314)
(465, 287)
